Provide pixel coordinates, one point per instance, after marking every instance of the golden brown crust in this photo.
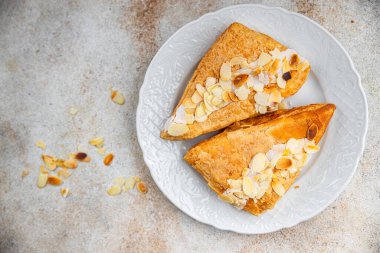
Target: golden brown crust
(225, 155)
(236, 40)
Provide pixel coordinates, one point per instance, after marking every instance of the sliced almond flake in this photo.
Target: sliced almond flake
(226, 198)
(65, 192)
(109, 158)
(275, 97)
(216, 101)
(226, 97)
(281, 82)
(258, 162)
(250, 81)
(209, 105)
(295, 146)
(210, 81)
(239, 61)
(189, 118)
(119, 180)
(242, 92)
(276, 53)
(64, 173)
(24, 173)
(41, 144)
(114, 190)
(264, 58)
(240, 80)
(284, 163)
(176, 129)
(54, 180)
(142, 187)
(294, 61)
(97, 142)
(217, 91)
(201, 90)
(261, 98)
(264, 78)
(196, 97)
(247, 186)
(101, 151)
(302, 66)
(245, 171)
(267, 66)
(235, 184)
(200, 111)
(129, 183)
(190, 110)
(285, 66)
(278, 188)
(200, 118)
(233, 96)
(274, 67)
(188, 103)
(257, 71)
(71, 163)
(117, 97)
(226, 85)
(225, 71)
(262, 109)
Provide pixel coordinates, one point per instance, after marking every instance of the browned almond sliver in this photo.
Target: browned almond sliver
(42, 179)
(108, 159)
(240, 80)
(117, 97)
(65, 191)
(142, 188)
(54, 180)
(71, 163)
(233, 96)
(284, 163)
(312, 132)
(294, 61)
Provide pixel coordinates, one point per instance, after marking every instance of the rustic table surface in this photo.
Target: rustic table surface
(55, 55)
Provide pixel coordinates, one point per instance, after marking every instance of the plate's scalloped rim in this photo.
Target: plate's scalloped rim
(338, 192)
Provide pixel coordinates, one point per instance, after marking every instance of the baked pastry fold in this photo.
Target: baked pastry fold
(244, 74)
(225, 159)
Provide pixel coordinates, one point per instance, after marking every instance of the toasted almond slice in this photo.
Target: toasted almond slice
(257, 71)
(201, 90)
(295, 146)
(60, 163)
(129, 183)
(245, 171)
(217, 91)
(200, 111)
(41, 144)
(54, 180)
(42, 179)
(275, 53)
(233, 96)
(235, 184)
(188, 103)
(258, 162)
(261, 98)
(64, 173)
(310, 147)
(285, 66)
(216, 101)
(264, 58)
(226, 85)
(142, 187)
(294, 61)
(278, 188)
(247, 186)
(262, 109)
(284, 163)
(274, 67)
(117, 97)
(281, 82)
(226, 97)
(209, 105)
(119, 180)
(240, 80)
(267, 66)
(312, 131)
(242, 92)
(200, 118)
(48, 158)
(275, 97)
(109, 158)
(226, 198)
(114, 190)
(97, 142)
(73, 111)
(176, 129)
(196, 98)
(239, 61)
(210, 81)
(71, 163)
(225, 71)
(302, 66)
(189, 118)
(65, 192)
(190, 110)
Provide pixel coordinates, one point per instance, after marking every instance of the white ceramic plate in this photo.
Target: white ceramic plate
(333, 79)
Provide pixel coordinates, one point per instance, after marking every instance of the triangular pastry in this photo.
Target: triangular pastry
(244, 73)
(254, 162)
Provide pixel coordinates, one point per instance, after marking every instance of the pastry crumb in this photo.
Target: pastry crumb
(40, 144)
(24, 173)
(73, 111)
(65, 191)
(296, 186)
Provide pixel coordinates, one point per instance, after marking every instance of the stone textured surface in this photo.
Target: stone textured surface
(59, 54)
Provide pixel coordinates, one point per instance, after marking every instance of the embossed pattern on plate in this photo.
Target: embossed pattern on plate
(333, 79)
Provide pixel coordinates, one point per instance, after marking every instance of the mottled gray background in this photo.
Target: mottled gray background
(58, 54)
